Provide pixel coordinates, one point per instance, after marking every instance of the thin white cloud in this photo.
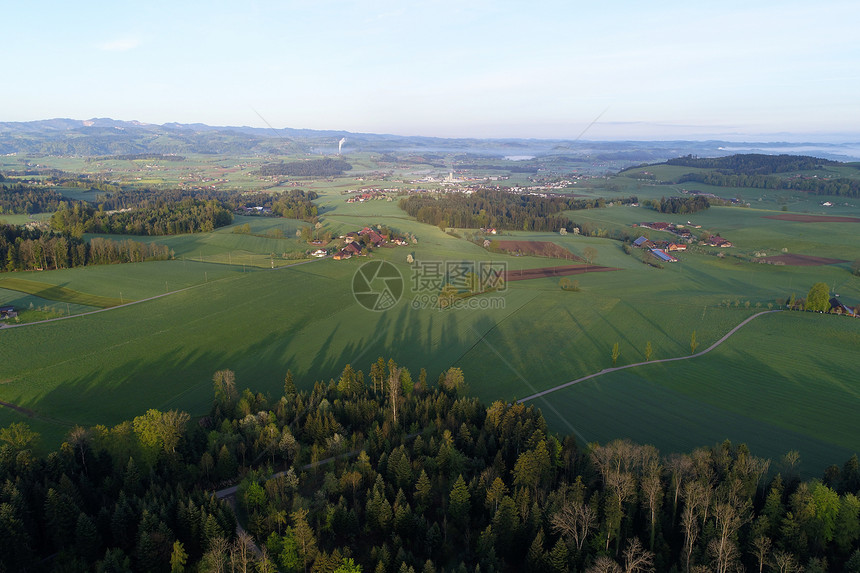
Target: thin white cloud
(120, 44)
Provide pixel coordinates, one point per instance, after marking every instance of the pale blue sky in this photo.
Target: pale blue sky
(778, 70)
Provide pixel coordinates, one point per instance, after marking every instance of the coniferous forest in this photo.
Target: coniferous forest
(498, 209)
(26, 199)
(680, 205)
(326, 167)
(393, 472)
(155, 217)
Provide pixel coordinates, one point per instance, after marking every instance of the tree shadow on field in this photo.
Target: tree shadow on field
(175, 372)
(753, 402)
(667, 336)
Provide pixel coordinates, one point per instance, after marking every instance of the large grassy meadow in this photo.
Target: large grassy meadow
(785, 381)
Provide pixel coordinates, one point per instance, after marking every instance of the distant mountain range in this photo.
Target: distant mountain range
(104, 136)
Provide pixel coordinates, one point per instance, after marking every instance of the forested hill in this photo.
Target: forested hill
(770, 172)
(413, 476)
(754, 163)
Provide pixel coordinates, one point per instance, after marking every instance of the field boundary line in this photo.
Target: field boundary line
(626, 366)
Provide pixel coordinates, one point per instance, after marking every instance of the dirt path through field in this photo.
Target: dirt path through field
(625, 367)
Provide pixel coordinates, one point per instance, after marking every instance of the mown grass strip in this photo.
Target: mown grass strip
(58, 293)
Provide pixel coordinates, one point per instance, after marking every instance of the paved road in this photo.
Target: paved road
(617, 368)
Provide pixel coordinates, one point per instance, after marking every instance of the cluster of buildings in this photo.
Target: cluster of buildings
(358, 242)
(683, 232)
(362, 195)
(660, 249)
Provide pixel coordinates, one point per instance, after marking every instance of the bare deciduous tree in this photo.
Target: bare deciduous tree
(761, 546)
(575, 521)
(604, 564)
(394, 391)
(637, 559)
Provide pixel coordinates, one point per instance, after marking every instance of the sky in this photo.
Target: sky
(733, 70)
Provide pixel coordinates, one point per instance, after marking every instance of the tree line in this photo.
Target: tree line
(498, 209)
(389, 472)
(680, 205)
(25, 199)
(326, 167)
(24, 249)
(150, 217)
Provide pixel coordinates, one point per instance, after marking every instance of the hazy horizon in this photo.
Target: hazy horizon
(624, 133)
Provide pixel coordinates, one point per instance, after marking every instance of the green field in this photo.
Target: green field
(781, 383)
(260, 248)
(57, 293)
(241, 314)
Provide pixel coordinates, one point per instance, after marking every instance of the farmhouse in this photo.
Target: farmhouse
(7, 312)
(375, 238)
(835, 306)
(643, 243)
(663, 256)
(718, 241)
(676, 247)
(341, 255)
(319, 253)
(353, 248)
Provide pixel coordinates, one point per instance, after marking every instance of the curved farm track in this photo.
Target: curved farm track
(617, 368)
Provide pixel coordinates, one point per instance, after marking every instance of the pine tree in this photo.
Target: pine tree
(458, 506)
(557, 559)
(422, 491)
(305, 539)
(536, 558)
(178, 558)
(87, 540)
(289, 385)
